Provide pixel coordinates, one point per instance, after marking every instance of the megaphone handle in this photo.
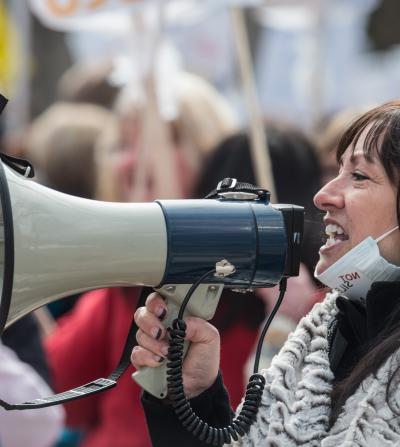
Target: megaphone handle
(203, 304)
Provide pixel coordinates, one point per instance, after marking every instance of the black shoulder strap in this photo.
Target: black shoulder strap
(94, 387)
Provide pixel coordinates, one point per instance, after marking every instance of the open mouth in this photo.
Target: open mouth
(335, 234)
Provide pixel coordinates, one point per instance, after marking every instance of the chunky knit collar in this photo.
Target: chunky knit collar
(296, 403)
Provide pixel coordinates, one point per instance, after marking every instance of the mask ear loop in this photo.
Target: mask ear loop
(377, 240)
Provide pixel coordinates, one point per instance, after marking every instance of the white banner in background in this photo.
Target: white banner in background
(69, 15)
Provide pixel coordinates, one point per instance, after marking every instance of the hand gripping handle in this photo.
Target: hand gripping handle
(202, 304)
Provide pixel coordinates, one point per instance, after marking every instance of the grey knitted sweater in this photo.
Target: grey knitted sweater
(296, 400)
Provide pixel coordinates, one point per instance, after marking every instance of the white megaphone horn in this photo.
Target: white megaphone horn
(55, 245)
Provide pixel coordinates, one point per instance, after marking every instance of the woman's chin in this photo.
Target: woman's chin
(329, 254)
(321, 266)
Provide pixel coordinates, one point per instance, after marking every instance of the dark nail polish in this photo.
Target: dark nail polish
(158, 334)
(163, 314)
(161, 359)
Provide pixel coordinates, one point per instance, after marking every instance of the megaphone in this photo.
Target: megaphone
(54, 245)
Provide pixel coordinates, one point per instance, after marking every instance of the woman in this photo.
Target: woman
(335, 380)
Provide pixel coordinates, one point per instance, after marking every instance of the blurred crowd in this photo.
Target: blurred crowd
(114, 143)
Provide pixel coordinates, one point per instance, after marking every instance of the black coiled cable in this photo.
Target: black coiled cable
(197, 427)
(200, 429)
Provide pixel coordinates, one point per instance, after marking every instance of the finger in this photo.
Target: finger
(149, 323)
(156, 305)
(159, 348)
(142, 357)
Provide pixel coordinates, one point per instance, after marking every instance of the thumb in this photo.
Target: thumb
(200, 331)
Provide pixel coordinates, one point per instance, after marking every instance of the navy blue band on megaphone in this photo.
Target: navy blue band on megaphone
(256, 244)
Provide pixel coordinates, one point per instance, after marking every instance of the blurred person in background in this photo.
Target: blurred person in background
(201, 120)
(87, 342)
(61, 146)
(19, 382)
(25, 339)
(296, 173)
(88, 83)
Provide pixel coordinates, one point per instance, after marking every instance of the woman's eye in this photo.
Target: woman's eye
(359, 177)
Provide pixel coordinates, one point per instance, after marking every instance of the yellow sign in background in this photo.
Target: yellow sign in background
(8, 50)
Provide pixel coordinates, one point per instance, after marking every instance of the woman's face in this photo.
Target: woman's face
(359, 202)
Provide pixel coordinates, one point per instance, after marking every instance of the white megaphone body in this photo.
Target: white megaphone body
(54, 245)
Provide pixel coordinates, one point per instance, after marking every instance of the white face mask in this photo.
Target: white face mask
(353, 274)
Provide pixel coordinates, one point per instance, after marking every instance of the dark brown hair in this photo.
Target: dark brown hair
(382, 141)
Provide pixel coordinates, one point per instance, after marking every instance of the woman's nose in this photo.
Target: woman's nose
(330, 196)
